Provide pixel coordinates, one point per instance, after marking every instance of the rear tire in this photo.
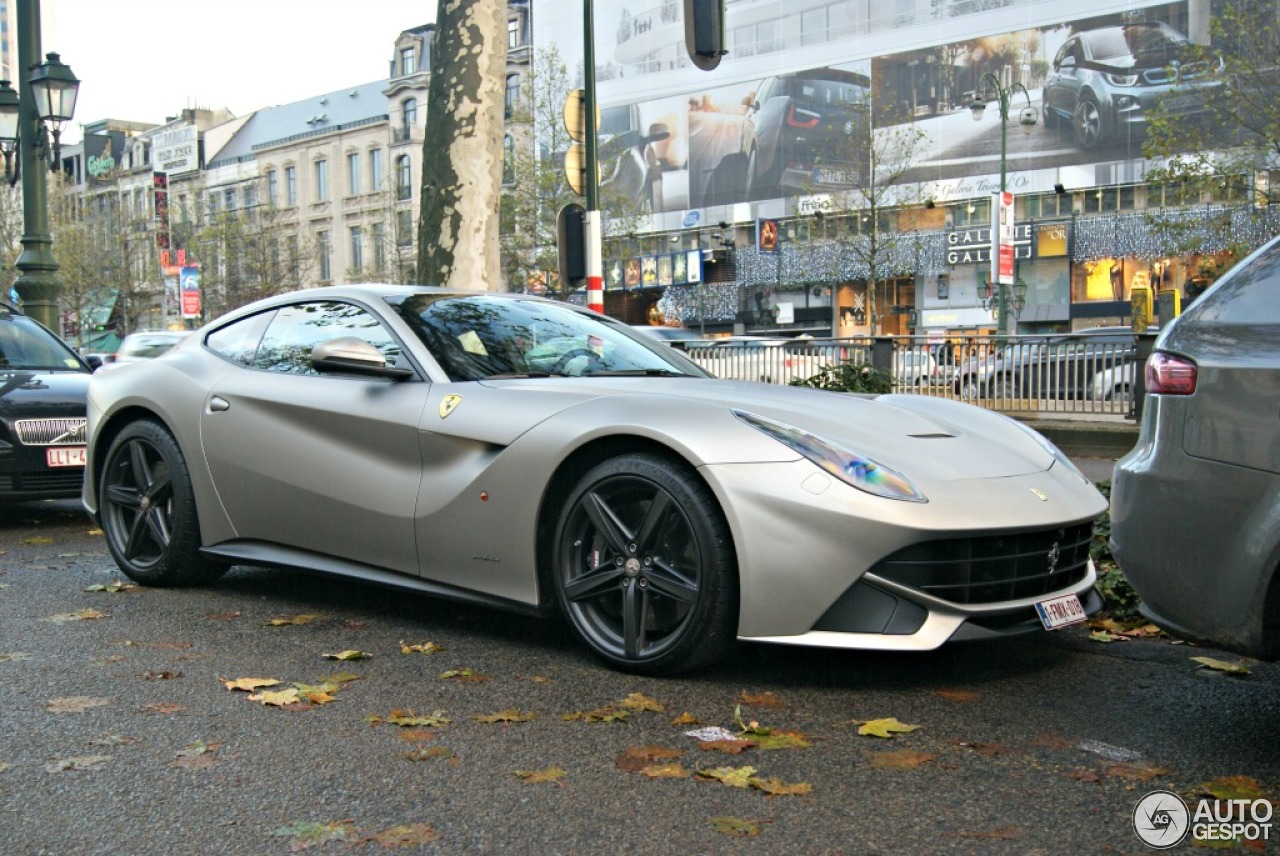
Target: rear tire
(148, 510)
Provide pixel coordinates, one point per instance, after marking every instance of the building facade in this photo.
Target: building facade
(831, 179)
(207, 212)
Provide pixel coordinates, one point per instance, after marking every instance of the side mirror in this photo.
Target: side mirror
(94, 361)
(351, 355)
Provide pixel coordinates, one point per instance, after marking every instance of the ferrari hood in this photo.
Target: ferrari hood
(952, 439)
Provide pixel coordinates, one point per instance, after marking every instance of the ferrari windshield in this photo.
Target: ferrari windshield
(476, 337)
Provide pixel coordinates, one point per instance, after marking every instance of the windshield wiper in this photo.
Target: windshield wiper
(519, 375)
(637, 373)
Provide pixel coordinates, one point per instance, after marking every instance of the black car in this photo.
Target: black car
(806, 132)
(43, 383)
(1069, 365)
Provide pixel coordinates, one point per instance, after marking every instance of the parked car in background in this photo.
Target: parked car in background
(145, 345)
(43, 383)
(676, 337)
(1105, 82)
(1195, 507)
(757, 358)
(1064, 366)
(915, 367)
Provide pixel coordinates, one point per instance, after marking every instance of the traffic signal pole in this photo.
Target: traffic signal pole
(591, 221)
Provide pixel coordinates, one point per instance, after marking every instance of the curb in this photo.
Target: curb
(1089, 439)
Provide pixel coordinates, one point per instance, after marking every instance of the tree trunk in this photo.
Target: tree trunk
(462, 147)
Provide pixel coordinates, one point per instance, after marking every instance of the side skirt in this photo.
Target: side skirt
(266, 555)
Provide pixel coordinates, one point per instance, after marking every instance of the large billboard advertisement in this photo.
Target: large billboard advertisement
(785, 115)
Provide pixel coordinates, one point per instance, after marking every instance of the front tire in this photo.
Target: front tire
(148, 510)
(1088, 124)
(644, 567)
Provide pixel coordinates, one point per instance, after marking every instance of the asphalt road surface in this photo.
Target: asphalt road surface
(119, 735)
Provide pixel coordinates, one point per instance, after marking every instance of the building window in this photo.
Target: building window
(271, 187)
(357, 250)
(404, 178)
(250, 195)
(353, 174)
(229, 199)
(513, 33)
(407, 66)
(378, 236)
(513, 95)
(409, 114)
(508, 160)
(291, 185)
(404, 228)
(322, 180)
(322, 249)
(377, 173)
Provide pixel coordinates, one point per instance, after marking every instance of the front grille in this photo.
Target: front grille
(993, 568)
(50, 483)
(51, 432)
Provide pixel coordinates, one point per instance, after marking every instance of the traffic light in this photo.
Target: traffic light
(704, 32)
(571, 244)
(575, 124)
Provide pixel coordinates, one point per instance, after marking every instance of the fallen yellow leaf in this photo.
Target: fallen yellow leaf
(886, 727)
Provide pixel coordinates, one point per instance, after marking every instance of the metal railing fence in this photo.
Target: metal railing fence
(1059, 373)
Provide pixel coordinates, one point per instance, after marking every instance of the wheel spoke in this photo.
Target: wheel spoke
(158, 525)
(137, 532)
(671, 583)
(634, 606)
(593, 584)
(653, 520)
(140, 467)
(124, 497)
(613, 530)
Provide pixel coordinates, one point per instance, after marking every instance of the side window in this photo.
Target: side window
(1250, 295)
(295, 330)
(238, 342)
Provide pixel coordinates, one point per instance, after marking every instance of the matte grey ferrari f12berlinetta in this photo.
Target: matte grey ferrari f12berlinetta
(528, 454)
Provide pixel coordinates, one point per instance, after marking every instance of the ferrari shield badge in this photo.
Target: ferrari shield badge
(448, 404)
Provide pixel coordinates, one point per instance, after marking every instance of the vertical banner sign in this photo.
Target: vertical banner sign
(160, 191)
(189, 279)
(1004, 269)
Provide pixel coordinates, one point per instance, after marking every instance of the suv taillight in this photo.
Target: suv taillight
(798, 117)
(1170, 375)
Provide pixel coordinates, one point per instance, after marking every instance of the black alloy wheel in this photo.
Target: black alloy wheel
(148, 512)
(644, 567)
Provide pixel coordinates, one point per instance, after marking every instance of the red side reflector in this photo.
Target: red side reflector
(1170, 375)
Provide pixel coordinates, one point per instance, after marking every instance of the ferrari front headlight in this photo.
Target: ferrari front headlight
(850, 467)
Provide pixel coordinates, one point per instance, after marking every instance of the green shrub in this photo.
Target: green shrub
(849, 377)
(1119, 598)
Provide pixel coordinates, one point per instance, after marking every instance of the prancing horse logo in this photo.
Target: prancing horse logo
(448, 404)
(1054, 555)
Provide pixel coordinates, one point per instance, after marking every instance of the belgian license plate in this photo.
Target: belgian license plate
(64, 456)
(835, 176)
(1060, 611)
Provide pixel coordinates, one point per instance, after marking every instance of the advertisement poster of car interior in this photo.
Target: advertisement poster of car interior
(783, 114)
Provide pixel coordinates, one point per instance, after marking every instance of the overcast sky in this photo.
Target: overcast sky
(143, 60)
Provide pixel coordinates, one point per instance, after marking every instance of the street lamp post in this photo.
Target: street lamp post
(1027, 119)
(46, 93)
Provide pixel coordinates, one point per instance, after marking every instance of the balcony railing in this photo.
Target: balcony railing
(1085, 373)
